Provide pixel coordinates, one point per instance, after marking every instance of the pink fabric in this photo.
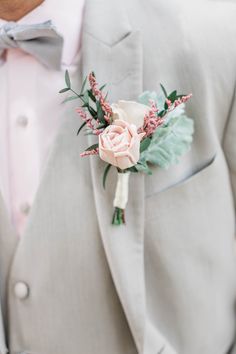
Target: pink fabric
(31, 110)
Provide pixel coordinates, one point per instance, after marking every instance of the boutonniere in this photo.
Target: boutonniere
(132, 136)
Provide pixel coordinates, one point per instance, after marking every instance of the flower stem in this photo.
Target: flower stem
(118, 217)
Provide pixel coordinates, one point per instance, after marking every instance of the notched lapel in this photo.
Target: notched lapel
(8, 243)
(3, 349)
(115, 55)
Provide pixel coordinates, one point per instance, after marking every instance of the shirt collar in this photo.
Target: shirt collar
(67, 17)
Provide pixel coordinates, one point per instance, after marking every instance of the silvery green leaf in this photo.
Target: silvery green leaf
(146, 96)
(169, 142)
(142, 166)
(180, 110)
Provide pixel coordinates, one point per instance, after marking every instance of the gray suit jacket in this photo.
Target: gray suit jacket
(166, 282)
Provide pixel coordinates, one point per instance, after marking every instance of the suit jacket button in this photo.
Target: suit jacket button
(21, 290)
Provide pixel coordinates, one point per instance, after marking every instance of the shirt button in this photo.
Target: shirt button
(22, 121)
(25, 208)
(21, 290)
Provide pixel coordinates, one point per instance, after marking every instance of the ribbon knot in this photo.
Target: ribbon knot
(40, 40)
(6, 37)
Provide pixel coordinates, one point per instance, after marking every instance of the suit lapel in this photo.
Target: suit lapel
(3, 349)
(8, 243)
(116, 58)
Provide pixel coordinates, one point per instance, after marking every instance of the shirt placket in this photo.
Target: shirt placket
(22, 135)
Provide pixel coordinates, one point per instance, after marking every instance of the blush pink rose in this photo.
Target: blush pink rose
(119, 144)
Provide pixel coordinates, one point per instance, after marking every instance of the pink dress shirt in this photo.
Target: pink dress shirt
(30, 108)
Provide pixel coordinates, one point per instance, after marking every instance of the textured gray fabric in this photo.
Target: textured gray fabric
(3, 348)
(165, 282)
(40, 40)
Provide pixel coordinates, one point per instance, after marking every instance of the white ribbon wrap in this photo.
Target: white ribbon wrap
(122, 190)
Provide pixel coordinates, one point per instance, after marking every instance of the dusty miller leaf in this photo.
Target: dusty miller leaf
(169, 142)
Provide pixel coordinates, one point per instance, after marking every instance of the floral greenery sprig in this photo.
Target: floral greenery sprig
(93, 101)
(132, 136)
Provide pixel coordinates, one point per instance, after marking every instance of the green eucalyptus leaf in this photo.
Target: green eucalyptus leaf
(102, 87)
(105, 98)
(92, 147)
(81, 127)
(83, 85)
(67, 79)
(162, 113)
(64, 90)
(92, 112)
(132, 169)
(101, 126)
(105, 174)
(144, 144)
(172, 97)
(100, 113)
(71, 98)
(86, 98)
(164, 90)
(90, 94)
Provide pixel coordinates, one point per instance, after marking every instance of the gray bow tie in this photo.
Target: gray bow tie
(40, 40)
